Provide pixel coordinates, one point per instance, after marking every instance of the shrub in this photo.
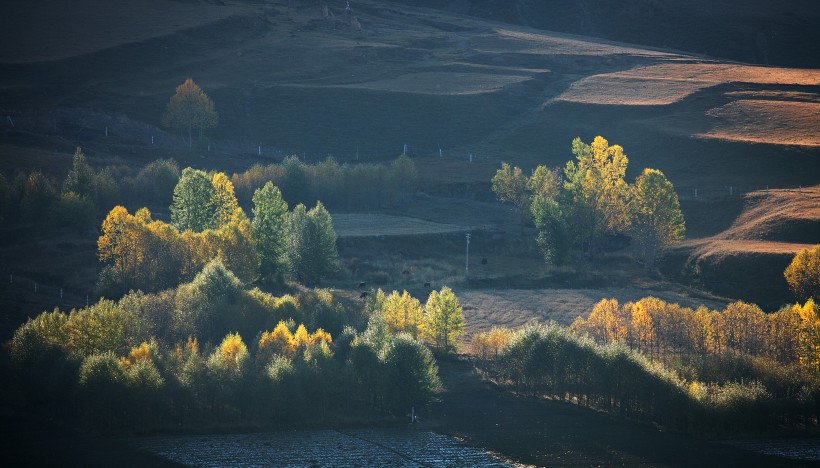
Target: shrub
(410, 374)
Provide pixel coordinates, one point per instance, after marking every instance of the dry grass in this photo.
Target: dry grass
(60, 29)
(365, 225)
(530, 42)
(773, 222)
(443, 83)
(667, 83)
(514, 308)
(764, 121)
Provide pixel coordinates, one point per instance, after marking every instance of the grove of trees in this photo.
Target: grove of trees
(718, 371)
(143, 253)
(212, 351)
(440, 321)
(592, 201)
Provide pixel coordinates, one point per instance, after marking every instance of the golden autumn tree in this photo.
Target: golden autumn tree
(402, 313)
(510, 185)
(224, 199)
(597, 190)
(443, 319)
(606, 322)
(657, 217)
(803, 274)
(190, 109)
(643, 330)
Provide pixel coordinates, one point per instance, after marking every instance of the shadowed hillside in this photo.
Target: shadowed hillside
(758, 31)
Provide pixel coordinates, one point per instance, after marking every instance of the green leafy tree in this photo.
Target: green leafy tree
(269, 228)
(190, 109)
(312, 253)
(295, 182)
(409, 375)
(549, 215)
(443, 319)
(80, 178)
(554, 237)
(510, 185)
(193, 205)
(657, 218)
(598, 193)
(803, 274)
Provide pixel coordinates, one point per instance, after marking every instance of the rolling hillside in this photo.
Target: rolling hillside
(310, 78)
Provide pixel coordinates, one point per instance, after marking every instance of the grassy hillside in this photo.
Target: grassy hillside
(309, 78)
(757, 31)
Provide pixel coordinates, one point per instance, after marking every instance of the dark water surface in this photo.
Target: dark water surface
(358, 447)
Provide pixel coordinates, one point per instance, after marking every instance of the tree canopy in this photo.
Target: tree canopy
(269, 228)
(657, 218)
(600, 196)
(193, 208)
(443, 319)
(803, 273)
(190, 109)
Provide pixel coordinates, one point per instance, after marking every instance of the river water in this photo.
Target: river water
(359, 447)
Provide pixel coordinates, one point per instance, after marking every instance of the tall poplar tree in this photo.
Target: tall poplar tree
(657, 217)
(598, 193)
(269, 228)
(193, 205)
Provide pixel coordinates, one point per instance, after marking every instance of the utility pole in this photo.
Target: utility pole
(467, 260)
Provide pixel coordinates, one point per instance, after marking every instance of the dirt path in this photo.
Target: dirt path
(533, 431)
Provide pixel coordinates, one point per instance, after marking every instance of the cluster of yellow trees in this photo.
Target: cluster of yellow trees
(282, 342)
(151, 254)
(440, 321)
(592, 200)
(657, 328)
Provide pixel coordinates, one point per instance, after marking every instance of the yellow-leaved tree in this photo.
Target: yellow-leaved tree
(803, 274)
(402, 313)
(190, 109)
(443, 320)
(600, 196)
(657, 217)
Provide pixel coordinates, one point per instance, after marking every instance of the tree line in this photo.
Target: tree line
(662, 330)
(351, 186)
(213, 350)
(207, 222)
(590, 200)
(718, 393)
(80, 201)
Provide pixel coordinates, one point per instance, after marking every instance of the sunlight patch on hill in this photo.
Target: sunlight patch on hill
(764, 121)
(667, 83)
